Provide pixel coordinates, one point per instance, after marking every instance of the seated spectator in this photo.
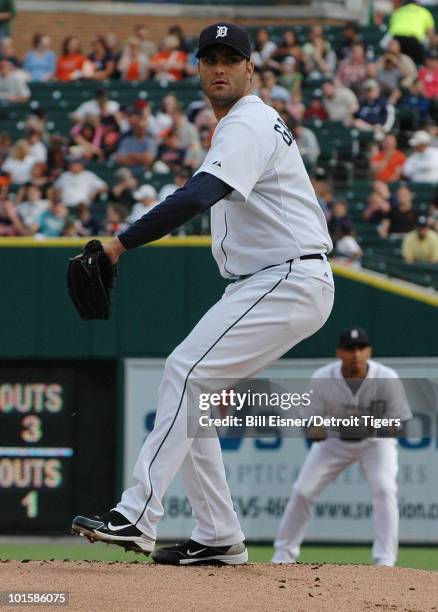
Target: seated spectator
(405, 63)
(351, 37)
(411, 24)
(56, 158)
(421, 244)
(402, 217)
(13, 86)
(319, 57)
(388, 163)
(79, 185)
(138, 147)
(134, 64)
(142, 34)
(422, 165)
(187, 133)
(40, 62)
(123, 190)
(289, 47)
(86, 139)
(375, 113)
(378, 203)
(290, 78)
(339, 217)
(269, 80)
(428, 75)
(101, 60)
(170, 151)
(415, 100)
(347, 247)
(296, 108)
(323, 190)
(316, 109)
(100, 107)
(198, 152)
(389, 73)
(115, 220)
(10, 222)
(168, 105)
(39, 178)
(146, 198)
(37, 148)
(7, 51)
(72, 63)
(183, 44)
(85, 224)
(352, 70)
(264, 48)
(306, 141)
(339, 102)
(19, 163)
(52, 221)
(31, 207)
(168, 64)
(179, 180)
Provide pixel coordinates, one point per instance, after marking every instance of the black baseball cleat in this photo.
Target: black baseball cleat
(194, 553)
(113, 528)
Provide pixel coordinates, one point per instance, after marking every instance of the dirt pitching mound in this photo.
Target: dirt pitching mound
(132, 587)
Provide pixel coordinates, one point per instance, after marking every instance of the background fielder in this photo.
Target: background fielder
(353, 385)
(269, 235)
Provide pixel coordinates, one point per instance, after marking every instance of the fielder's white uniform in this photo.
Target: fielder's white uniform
(270, 217)
(327, 459)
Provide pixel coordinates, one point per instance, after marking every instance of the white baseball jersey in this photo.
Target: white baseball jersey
(272, 215)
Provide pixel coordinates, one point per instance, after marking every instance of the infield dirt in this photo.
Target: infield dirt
(133, 587)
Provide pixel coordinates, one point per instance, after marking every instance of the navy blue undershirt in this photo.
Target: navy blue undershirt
(198, 194)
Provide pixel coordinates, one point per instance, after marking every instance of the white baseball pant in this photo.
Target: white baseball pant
(257, 320)
(325, 461)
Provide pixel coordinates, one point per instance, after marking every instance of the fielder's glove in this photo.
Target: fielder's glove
(90, 278)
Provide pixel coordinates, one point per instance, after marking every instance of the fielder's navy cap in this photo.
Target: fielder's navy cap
(353, 336)
(226, 34)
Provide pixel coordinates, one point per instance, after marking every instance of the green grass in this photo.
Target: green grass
(415, 557)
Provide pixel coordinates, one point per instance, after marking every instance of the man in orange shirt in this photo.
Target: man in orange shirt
(387, 164)
(169, 63)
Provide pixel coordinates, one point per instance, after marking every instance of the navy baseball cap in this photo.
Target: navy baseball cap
(227, 34)
(353, 336)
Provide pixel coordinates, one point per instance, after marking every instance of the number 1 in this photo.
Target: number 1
(30, 502)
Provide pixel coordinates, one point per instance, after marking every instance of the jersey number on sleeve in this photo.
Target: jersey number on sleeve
(285, 132)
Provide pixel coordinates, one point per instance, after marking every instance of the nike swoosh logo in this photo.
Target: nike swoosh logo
(118, 527)
(196, 552)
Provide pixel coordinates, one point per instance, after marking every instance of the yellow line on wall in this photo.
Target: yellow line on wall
(360, 276)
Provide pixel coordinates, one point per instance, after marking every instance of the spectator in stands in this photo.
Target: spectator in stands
(52, 221)
(375, 113)
(338, 217)
(319, 57)
(422, 165)
(168, 106)
(123, 190)
(264, 49)
(198, 152)
(170, 151)
(100, 106)
(85, 224)
(289, 47)
(72, 63)
(183, 44)
(306, 141)
(134, 64)
(339, 102)
(10, 222)
(187, 133)
(296, 108)
(421, 244)
(141, 33)
(38, 149)
(180, 179)
(39, 178)
(323, 190)
(402, 217)
(13, 87)
(387, 164)
(7, 14)
(78, 185)
(146, 199)
(389, 73)
(87, 139)
(405, 63)
(31, 208)
(5, 145)
(378, 203)
(352, 70)
(40, 61)
(415, 100)
(137, 147)
(115, 220)
(19, 163)
(101, 60)
(347, 247)
(169, 63)
(269, 80)
(290, 78)
(316, 109)
(351, 36)
(412, 25)
(428, 75)
(7, 51)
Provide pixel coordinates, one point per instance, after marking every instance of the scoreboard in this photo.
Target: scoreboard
(58, 446)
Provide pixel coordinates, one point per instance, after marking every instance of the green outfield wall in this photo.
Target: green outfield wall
(163, 290)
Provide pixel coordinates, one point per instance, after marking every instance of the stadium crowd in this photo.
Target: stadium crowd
(389, 94)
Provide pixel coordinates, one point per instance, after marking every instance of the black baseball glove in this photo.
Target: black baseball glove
(90, 278)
